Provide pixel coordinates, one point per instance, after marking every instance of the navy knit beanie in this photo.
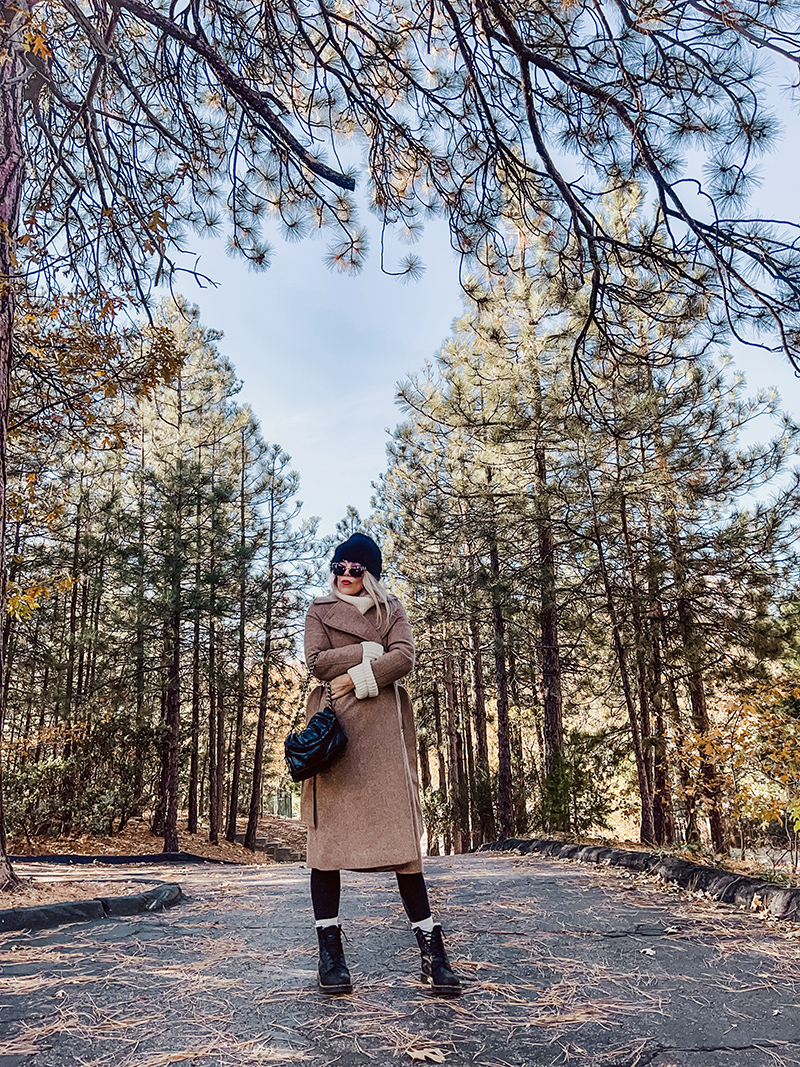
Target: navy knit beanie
(358, 548)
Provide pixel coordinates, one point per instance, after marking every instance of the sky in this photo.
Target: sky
(320, 353)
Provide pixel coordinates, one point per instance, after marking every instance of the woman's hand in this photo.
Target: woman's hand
(342, 684)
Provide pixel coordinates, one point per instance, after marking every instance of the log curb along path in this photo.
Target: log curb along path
(45, 916)
(741, 890)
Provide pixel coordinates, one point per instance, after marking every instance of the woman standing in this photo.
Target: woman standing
(364, 814)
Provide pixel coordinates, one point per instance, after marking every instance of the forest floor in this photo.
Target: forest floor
(41, 886)
(561, 964)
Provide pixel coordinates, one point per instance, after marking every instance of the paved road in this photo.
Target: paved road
(563, 964)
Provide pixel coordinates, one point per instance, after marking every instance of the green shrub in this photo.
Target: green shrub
(576, 795)
(94, 789)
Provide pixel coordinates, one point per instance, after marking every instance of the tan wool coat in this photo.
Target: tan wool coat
(367, 805)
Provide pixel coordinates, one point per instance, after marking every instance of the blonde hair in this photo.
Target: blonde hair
(379, 593)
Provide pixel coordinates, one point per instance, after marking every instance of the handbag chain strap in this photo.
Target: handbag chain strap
(302, 702)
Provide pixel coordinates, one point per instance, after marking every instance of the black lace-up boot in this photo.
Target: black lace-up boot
(334, 976)
(436, 970)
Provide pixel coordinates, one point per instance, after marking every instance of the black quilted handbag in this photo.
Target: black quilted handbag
(319, 745)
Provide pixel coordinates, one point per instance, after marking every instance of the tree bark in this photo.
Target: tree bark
(517, 750)
(221, 695)
(73, 616)
(691, 642)
(83, 712)
(444, 793)
(552, 700)
(174, 668)
(466, 725)
(194, 744)
(139, 646)
(94, 624)
(453, 769)
(215, 739)
(173, 710)
(9, 629)
(263, 700)
(160, 813)
(425, 781)
(709, 776)
(647, 829)
(213, 726)
(194, 740)
(12, 176)
(233, 802)
(466, 764)
(663, 809)
(486, 829)
(505, 796)
(641, 641)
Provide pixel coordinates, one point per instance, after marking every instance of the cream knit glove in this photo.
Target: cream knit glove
(372, 650)
(363, 678)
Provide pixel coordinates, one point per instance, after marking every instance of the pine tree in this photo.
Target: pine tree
(139, 567)
(599, 505)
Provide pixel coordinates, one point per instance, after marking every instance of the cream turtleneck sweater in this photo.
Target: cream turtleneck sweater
(362, 603)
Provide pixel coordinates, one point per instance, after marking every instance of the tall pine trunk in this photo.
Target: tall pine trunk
(194, 737)
(551, 694)
(263, 700)
(710, 787)
(221, 724)
(552, 700)
(688, 791)
(214, 718)
(466, 726)
(95, 623)
(505, 795)
(233, 802)
(173, 705)
(12, 174)
(485, 830)
(663, 809)
(9, 628)
(140, 575)
(160, 813)
(444, 793)
(641, 641)
(647, 829)
(517, 751)
(194, 743)
(425, 782)
(453, 768)
(174, 662)
(213, 726)
(73, 617)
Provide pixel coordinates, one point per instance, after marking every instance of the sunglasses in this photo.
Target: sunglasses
(355, 569)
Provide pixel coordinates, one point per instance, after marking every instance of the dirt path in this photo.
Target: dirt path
(563, 964)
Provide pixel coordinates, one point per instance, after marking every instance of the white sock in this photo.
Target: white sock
(426, 925)
(321, 923)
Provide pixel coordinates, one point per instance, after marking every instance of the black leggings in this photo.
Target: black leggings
(326, 888)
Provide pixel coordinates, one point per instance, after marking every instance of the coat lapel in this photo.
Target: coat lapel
(347, 619)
